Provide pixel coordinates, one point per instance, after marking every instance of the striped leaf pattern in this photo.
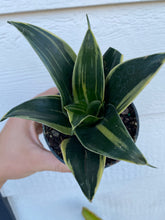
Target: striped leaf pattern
(125, 81)
(86, 166)
(88, 74)
(56, 55)
(111, 139)
(81, 114)
(94, 90)
(46, 110)
(111, 58)
(81, 119)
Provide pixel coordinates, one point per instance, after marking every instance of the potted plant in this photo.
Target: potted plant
(93, 92)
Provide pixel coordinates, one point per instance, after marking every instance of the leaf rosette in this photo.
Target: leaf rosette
(94, 90)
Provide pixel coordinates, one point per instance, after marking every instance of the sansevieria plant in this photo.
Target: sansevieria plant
(94, 90)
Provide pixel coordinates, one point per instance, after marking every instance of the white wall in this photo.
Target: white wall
(136, 28)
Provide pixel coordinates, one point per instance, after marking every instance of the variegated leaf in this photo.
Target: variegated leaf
(56, 55)
(111, 139)
(88, 75)
(125, 81)
(86, 166)
(111, 58)
(46, 110)
(81, 114)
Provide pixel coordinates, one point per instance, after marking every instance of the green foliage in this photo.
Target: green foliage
(89, 166)
(88, 215)
(94, 89)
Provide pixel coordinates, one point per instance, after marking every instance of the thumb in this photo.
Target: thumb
(47, 161)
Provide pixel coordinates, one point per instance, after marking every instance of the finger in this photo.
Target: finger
(35, 129)
(51, 91)
(38, 128)
(47, 161)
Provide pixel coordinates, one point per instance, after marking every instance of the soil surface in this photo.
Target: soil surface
(129, 118)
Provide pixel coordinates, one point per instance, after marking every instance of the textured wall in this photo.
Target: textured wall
(135, 28)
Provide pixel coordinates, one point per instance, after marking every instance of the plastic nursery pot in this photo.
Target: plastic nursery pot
(54, 138)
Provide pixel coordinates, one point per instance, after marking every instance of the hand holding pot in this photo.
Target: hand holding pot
(22, 153)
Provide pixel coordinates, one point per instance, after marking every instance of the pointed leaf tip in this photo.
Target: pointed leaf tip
(89, 26)
(112, 138)
(2, 119)
(59, 59)
(45, 110)
(9, 22)
(86, 86)
(13, 22)
(149, 165)
(86, 166)
(133, 75)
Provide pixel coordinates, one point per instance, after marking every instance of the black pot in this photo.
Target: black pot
(54, 138)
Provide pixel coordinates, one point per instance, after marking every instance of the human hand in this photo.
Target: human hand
(22, 153)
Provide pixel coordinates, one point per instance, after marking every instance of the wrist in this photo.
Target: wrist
(1, 183)
(2, 175)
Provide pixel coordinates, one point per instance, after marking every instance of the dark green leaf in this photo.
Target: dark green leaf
(89, 121)
(76, 113)
(46, 110)
(126, 80)
(88, 215)
(111, 139)
(86, 166)
(111, 58)
(88, 74)
(94, 108)
(78, 108)
(80, 115)
(56, 55)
